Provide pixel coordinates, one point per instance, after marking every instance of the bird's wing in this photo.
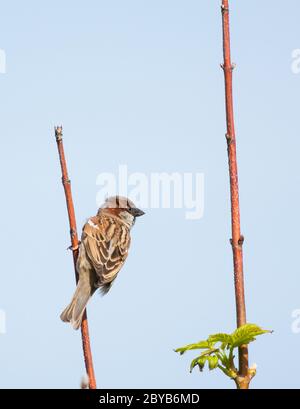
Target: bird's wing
(106, 243)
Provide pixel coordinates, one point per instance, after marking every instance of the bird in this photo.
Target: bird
(103, 249)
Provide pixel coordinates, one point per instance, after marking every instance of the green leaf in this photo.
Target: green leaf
(213, 361)
(189, 347)
(221, 337)
(194, 363)
(222, 356)
(224, 360)
(201, 362)
(225, 370)
(246, 334)
(210, 351)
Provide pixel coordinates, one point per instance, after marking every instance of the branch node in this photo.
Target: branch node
(229, 138)
(66, 181)
(58, 133)
(73, 248)
(241, 240)
(239, 244)
(231, 67)
(224, 9)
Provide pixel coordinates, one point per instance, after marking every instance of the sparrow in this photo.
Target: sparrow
(103, 250)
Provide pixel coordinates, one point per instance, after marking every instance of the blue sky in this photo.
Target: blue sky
(139, 83)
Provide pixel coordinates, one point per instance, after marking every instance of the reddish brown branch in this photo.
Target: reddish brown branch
(74, 241)
(237, 239)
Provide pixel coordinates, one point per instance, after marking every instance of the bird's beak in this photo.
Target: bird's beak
(137, 212)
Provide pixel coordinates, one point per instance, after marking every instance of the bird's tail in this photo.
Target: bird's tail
(75, 310)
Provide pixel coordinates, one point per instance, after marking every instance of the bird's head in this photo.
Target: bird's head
(123, 208)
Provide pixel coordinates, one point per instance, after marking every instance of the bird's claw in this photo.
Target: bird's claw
(74, 248)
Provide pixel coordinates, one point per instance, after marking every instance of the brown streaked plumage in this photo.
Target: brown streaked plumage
(103, 250)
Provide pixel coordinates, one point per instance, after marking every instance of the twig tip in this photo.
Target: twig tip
(58, 132)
